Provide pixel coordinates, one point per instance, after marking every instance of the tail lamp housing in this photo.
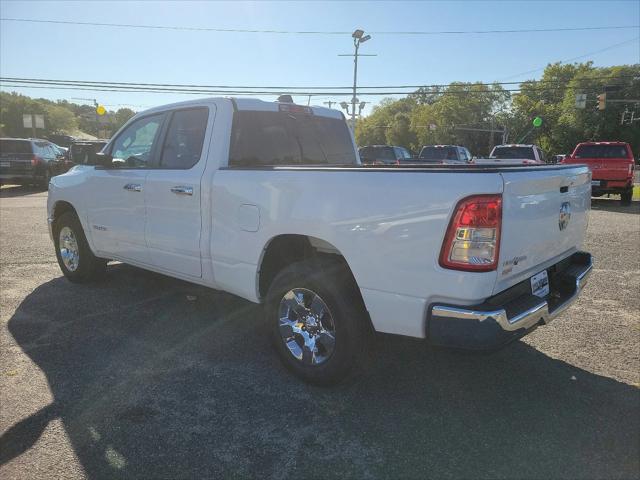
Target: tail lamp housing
(472, 241)
(36, 160)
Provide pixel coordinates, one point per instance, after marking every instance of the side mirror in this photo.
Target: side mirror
(103, 160)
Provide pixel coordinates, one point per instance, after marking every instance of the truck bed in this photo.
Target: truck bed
(389, 223)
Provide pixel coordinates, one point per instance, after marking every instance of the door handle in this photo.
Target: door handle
(182, 190)
(133, 187)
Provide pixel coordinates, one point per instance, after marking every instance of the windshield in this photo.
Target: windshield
(514, 152)
(377, 153)
(282, 138)
(438, 153)
(15, 146)
(601, 151)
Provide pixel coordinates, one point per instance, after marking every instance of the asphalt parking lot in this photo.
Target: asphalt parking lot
(150, 377)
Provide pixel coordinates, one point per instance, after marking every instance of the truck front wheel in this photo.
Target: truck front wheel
(76, 260)
(317, 322)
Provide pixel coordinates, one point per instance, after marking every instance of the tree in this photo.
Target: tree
(564, 125)
(59, 119)
(120, 118)
(443, 115)
(399, 132)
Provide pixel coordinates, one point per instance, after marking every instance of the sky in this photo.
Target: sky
(97, 53)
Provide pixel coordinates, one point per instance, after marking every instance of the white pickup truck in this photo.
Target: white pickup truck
(269, 201)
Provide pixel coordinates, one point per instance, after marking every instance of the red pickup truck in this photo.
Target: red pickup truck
(611, 165)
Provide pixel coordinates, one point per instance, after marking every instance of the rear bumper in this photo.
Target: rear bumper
(510, 314)
(604, 185)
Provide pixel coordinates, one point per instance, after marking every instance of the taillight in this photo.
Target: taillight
(35, 160)
(472, 241)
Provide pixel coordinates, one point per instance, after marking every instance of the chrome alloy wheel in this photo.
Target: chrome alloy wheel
(306, 326)
(68, 245)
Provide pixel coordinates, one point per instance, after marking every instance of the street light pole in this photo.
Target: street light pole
(358, 38)
(356, 43)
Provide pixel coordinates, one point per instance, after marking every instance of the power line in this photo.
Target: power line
(318, 32)
(107, 88)
(224, 88)
(610, 47)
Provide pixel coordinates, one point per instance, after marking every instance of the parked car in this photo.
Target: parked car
(269, 201)
(61, 140)
(557, 158)
(445, 154)
(61, 152)
(27, 161)
(514, 154)
(83, 152)
(384, 155)
(611, 165)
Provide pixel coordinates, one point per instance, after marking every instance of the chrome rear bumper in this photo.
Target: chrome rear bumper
(488, 325)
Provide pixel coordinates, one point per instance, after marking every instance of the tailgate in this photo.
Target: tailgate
(544, 219)
(15, 163)
(611, 169)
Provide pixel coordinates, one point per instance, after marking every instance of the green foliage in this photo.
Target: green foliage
(60, 116)
(59, 119)
(436, 115)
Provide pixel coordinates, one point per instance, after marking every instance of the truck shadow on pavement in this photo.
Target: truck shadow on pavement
(157, 378)
(11, 191)
(613, 205)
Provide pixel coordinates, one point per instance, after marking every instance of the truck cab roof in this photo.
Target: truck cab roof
(603, 143)
(252, 104)
(529, 145)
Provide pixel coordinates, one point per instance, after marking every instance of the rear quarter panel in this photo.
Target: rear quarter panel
(389, 226)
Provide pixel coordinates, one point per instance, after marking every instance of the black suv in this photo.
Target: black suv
(29, 161)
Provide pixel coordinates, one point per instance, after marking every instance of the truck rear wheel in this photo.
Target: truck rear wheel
(625, 197)
(318, 325)
(76, 260)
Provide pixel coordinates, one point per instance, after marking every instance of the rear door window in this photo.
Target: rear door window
(10, 146)
(284, 138)
(185, 137)
(438, 153)
(601, 151)
(514, 153)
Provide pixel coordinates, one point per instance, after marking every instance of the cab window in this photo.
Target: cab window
(282, 138)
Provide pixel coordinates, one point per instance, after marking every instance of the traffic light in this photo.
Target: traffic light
(602, 101)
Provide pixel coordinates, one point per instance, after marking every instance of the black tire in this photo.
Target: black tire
(625, 197)
(89, 267)
(332, 281)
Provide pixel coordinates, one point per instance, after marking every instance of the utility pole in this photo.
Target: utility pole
(329, 103)
(491, 134)
(95, 110)
(358, 38)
